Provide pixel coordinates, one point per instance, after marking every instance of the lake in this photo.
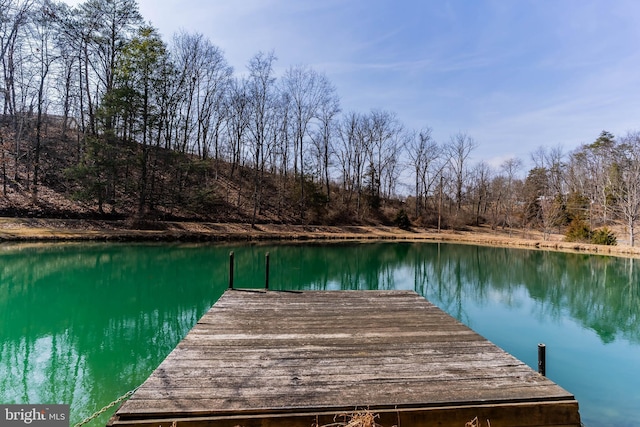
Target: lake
(83, 324)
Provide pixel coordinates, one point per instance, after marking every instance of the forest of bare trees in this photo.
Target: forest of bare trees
(98, 106)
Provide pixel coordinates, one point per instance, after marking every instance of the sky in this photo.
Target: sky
(514, 75)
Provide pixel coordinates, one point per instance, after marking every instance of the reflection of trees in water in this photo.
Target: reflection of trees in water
(44, 357)
(345, 266)
(602, 294)
(599, 292)
(77, 323)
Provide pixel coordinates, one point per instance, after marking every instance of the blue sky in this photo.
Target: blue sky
(513, 74)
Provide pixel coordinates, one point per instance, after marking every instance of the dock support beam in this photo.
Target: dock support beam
(542, 360)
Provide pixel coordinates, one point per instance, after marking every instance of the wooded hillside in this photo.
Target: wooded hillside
(102, 117)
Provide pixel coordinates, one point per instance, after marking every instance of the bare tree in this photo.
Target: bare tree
(458, 150)
(260, 89)
(44, 55)
(307, 90)
(510, 169)
(14, 16)
(328, 109)
(344, 150)
(352, 152)
(186, 49)
(66, 74)
(207, 76)
(237, 107)
(15, 66)
(393, 166)
(482, 174)
(361, 155)
(166, 92)
(425, 157)
(629, 182)
(385, 132)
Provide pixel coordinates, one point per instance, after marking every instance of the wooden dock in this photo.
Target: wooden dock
(316, 358)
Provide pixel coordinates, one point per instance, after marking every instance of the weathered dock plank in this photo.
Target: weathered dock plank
(295, 359)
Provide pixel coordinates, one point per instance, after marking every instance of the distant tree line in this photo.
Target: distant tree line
(153, 125)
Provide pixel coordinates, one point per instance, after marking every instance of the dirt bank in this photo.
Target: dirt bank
(51, 230)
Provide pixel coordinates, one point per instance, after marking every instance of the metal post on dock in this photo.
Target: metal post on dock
(542, 360)
(266, 273)
(231, 257)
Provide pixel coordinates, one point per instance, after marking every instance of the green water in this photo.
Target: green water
(84, 324)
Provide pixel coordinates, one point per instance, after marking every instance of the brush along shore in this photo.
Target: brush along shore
(52, 230)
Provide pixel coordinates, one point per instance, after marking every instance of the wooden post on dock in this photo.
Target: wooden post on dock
(266, 272)
(542, 360)
(231, 257)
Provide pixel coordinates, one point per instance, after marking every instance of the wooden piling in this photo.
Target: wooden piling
(266, 271)
(231, 265)
(542, 360)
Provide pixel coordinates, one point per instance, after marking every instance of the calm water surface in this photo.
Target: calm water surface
(84, 324)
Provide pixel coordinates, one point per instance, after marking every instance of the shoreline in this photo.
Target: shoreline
(36, 230)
